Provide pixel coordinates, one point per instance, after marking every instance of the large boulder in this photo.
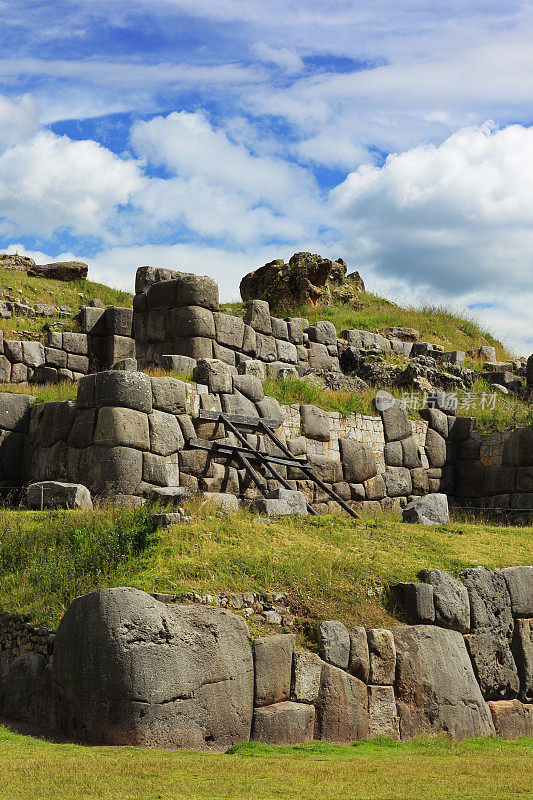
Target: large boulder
(358, 461)
(383, 717)
(284, 723)
(415, 600)
(146, 276)
(519, 582)
(490, 603)
(382, 656)
(522, 647)
(15, 411)
(315, 423)
(306, 279)
(334, 643)
(431, 509)
(273, 668)
(60, 271)
(511, 718)
(131, 670)
(396, 423)
(436, 689)
(450, 597)
(494, 665)
(306, 670)
(19, 697)
(359, 663)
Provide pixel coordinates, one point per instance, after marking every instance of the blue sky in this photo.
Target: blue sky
(215, 135)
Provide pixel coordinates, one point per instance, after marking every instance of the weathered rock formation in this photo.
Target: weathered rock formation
(308, 279)
(60, 270)
(15, 262)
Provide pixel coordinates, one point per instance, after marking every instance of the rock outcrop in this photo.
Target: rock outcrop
(308, 279)
(60, 271)
(15, 262)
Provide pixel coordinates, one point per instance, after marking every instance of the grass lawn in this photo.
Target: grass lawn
(330, 567)
(436, 769)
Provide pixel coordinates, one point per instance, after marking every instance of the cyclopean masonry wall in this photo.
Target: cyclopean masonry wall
(177, 321)
(129, 433)
(106, 337)
(125, 668)
(181, 317)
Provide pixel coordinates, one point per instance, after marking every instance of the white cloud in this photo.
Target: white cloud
(282, 57)
(453, 221)
(218, 187)
(51, 183)
(19, 119)
(189, 146)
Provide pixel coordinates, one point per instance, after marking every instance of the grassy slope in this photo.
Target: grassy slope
(427, 768)
(451, 328)
(331, 567)
(55, 293)
(508, 411)
(454, 329)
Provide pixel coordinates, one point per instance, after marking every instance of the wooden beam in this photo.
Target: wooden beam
(230, 449)
(237, 419)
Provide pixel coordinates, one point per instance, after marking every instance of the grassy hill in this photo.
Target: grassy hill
(32, 290)
(330, 567)
(454, 329)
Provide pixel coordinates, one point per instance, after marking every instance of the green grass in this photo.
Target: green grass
(300, 390)
(48, 558)
(43, 392)
(331, 567)
(507, 412)
(56, 293)
(453, 328)
(475, 769)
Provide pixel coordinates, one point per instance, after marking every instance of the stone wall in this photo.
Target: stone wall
(181, 317)
(122, 435)
(129, 433)
(129, 669)
(494, 472)
(26, 656)
(15, 419)
(106, 337)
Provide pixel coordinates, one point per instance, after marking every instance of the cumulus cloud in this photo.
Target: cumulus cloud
(218, 187)
(50, 183)
(454, 220)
